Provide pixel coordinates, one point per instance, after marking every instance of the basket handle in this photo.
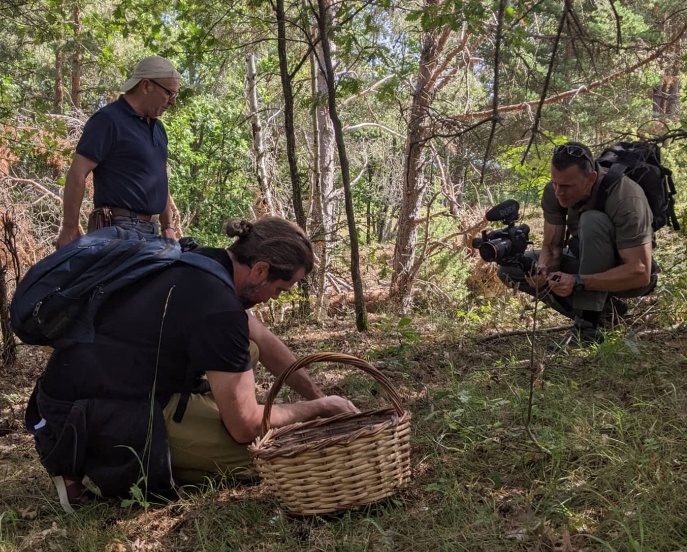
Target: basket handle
(342, 358)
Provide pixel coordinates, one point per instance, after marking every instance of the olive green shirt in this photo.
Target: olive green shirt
(627, 207)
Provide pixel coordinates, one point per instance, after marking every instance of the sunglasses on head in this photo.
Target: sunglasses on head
(573, 151)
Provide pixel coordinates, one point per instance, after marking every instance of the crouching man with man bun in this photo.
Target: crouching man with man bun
(166, 390)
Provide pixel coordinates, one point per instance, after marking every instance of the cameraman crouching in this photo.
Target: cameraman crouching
(588, 255)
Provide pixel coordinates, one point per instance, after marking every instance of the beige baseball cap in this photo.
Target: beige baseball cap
(153, 67)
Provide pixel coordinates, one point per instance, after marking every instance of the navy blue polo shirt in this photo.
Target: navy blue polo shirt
(132, 159)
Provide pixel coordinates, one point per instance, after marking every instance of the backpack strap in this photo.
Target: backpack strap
(180, 410)
(668, 174)
(207, 264)
(613, 175)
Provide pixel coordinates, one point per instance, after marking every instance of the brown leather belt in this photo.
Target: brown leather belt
(119, 212)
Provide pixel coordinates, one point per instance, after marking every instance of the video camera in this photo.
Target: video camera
(505, 247)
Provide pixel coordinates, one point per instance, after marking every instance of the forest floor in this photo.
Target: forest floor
(512, 448)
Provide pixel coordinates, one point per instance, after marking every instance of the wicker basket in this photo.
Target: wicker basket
(332, 464)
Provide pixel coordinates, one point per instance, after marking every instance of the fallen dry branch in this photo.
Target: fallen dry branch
(501, 335)
(653, 331)
(35, 184)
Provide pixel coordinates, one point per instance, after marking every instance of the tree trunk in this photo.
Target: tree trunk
(8, 351)
(289, 126)
(318, 233)
(77, 58)
(58, 99)
(323, 24)
(8, 346)
(267, 202)
(289, 129)
(666, 96)
(414, 181)
(455, 184)
(324, 196)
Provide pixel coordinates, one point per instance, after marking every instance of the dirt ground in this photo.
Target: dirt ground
(25, 488)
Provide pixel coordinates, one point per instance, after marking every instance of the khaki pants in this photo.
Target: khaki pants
(200, 445)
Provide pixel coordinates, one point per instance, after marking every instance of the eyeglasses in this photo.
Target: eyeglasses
(573, 151)
(170, 94)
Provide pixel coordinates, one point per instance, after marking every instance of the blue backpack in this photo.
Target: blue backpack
(56, 301)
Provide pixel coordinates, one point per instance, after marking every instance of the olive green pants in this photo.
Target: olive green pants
(597, 253)
(200, 445)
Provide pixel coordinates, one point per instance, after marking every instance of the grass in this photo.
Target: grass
(608, 470)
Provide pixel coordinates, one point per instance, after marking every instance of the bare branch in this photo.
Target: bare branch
(556, 98)
(38, 186)
(367, 91)
(375, 125)
(547, 81)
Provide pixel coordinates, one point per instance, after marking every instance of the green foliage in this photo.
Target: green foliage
(139, 497)
(447, 267)
(401, 331)
(451, 13)
(672, 258)
(9, 92)
(210, 170)
(406, 333)
(529, 172)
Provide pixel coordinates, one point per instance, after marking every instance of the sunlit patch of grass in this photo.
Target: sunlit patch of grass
(608, 470)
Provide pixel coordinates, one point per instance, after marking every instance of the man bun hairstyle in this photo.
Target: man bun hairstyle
(278, 242)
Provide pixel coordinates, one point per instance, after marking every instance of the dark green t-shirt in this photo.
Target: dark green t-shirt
(626, 206)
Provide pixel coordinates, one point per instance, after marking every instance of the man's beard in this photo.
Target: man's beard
(247, 293)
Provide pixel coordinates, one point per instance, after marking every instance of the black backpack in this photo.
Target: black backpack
(641, 162)
(56, 301)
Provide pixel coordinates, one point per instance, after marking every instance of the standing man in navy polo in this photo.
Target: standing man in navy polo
(124, 145)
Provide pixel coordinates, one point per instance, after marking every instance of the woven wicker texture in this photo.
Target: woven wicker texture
(332, 464)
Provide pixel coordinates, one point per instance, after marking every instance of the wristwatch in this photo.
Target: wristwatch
(579, 284)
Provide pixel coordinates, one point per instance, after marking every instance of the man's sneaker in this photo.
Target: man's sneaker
(582, 335)
(72, 493)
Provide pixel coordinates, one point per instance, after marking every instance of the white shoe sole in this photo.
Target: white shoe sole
(58, 480)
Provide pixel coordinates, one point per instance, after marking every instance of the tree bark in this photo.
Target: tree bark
(289, 126)
(8, 351)
(323, 24)
(8, 346)
(415, 159)
(289, 129)
(318, 233)
(666, 96)
(264, 185)
(77, 58)
(324, 193)
(58, 99)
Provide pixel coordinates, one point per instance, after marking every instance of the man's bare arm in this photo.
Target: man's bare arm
(167, 220)
(552, 247)
(549, 255)
(241, 414)
(276, 357)
(74, 190)
(633, 272)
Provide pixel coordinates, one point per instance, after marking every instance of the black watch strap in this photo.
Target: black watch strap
(579, 284)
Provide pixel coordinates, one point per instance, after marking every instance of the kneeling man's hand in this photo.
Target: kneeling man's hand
(561, 284)
(336, 405)
(537, 281)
